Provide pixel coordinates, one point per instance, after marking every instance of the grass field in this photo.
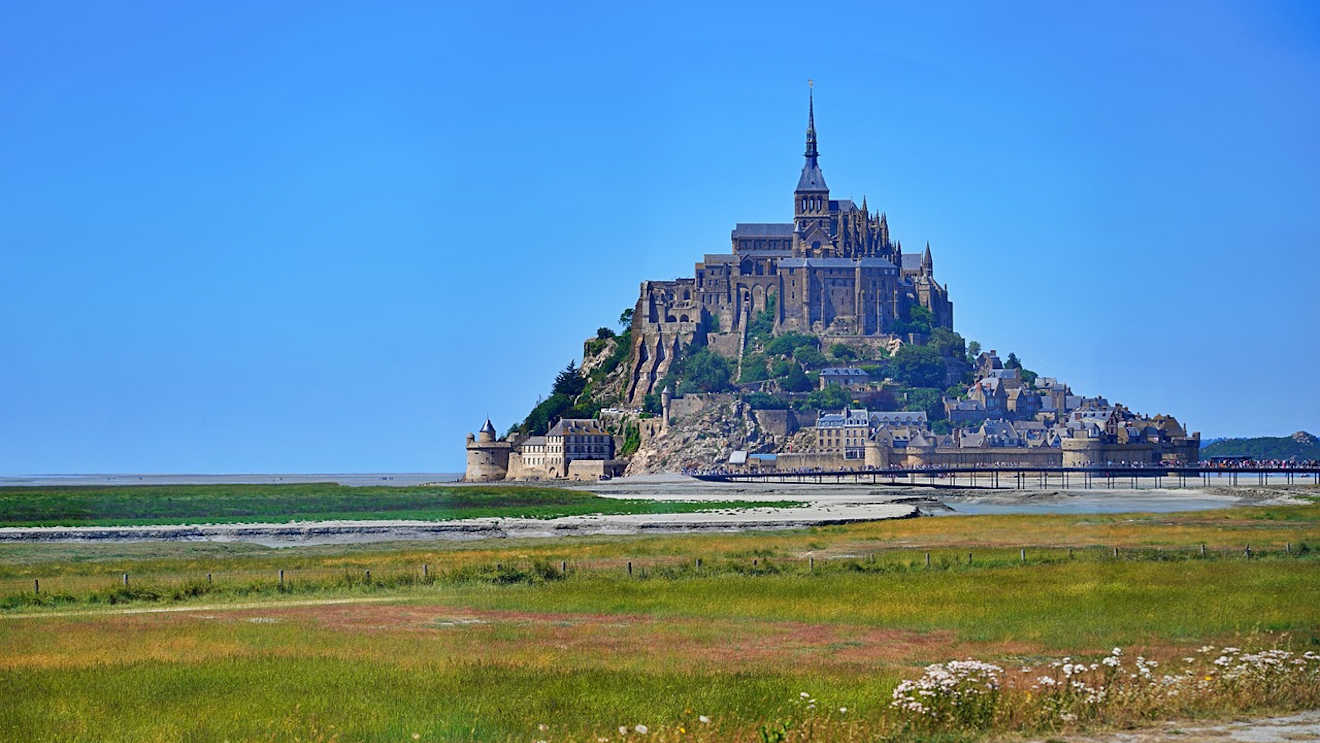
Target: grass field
(496, 641)
(133, 505)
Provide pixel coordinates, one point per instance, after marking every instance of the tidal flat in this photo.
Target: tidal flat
(493, 639)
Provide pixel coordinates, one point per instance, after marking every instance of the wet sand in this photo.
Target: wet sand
(823, 505)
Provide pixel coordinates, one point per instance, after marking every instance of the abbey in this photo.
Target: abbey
(833, 272)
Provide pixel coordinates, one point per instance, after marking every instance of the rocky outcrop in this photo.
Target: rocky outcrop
(701, 439)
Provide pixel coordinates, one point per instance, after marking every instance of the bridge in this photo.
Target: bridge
(1022, 477)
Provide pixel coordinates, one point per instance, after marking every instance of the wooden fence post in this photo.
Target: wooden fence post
(1287, 547)
(1202, 549)
(811, 564)
(563, 567)
(208, 579)
(969, 558)
(1115, 552)
(1248, 552)
(368, 577)
(281, 576)
(426, 571)
(1022, 553)
(927, 559)
(630, 568)
(125, 580)
(36, 586)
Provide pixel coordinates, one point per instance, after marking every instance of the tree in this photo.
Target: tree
(843, 352)
(797, 380)
(763, 401)
(809, 357)
(948, 343)
(830, 398)
(651, 404)
(603, 333)
(569, 382)
(780, 368)
(927, 399)
(753, 369)
(626, 318)
(705, 371)
(973, 350)
(1012, 362)
(785, 344)
(545, 413)
(918, 366)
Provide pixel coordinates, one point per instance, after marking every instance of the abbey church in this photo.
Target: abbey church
(833, 272)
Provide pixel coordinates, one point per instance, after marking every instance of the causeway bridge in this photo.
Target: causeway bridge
(1023, 477)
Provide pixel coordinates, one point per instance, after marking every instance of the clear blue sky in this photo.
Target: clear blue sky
(259, 237)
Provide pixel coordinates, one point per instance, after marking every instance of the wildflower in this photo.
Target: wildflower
(542, 727)
(623, 730)
(805, 695)
(641, 729)
(417, 736)
(1068, 717)
(843, 710)
(703, 719)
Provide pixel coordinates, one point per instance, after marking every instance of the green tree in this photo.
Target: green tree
(780, 368)
(632, 440)
(569, 382)
(918, 320)
(843, 352)
(626, 318)
(753, 369)
(1012, 362)
(948, 343)
(603, 333)
(809, 357)
(973, 350)
(927, 399)
(763, 401)
(785, 344)
(546, 413)
(651, 404)
(796, 380)
(705, 371)
(831, 398)
(918, 366)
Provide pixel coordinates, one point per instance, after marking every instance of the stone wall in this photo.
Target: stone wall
(778, 423)
(594, 469)
(681, 407)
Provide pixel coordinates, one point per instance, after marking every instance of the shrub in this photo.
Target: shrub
(789, 342)
(763, 401)
(796, 380)
(843, 352)
(753, 369)
(919, 366)
(809, 357)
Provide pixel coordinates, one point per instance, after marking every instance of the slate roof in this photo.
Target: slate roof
(576, 427)
(811, 179)
(879, 263)
(843, 371)
(738, 457)
(488, 428)
(911, 262)
(842, 205)
(891, 417)
(762, 229)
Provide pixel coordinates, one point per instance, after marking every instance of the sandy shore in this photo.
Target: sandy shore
(347, 532)
(823, 505)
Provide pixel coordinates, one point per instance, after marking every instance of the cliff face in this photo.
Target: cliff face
(700, 439)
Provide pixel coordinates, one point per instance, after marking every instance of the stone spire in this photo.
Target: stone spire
(927, 265)
(812, 179)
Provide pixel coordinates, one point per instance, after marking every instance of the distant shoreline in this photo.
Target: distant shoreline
(135, 478)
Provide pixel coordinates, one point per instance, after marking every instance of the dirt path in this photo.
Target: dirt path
(1289, 729)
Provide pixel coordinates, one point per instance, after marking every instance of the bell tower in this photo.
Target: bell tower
(811, 198)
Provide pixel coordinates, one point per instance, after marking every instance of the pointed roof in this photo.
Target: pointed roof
(488, 428)
(811, 179)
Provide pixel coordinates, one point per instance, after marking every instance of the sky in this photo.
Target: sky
(336, 237)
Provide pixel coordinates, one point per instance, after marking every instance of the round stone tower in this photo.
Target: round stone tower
(1080, 451)
(487, 458)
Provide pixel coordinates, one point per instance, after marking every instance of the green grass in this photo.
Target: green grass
(476, 652)
(135, 505)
